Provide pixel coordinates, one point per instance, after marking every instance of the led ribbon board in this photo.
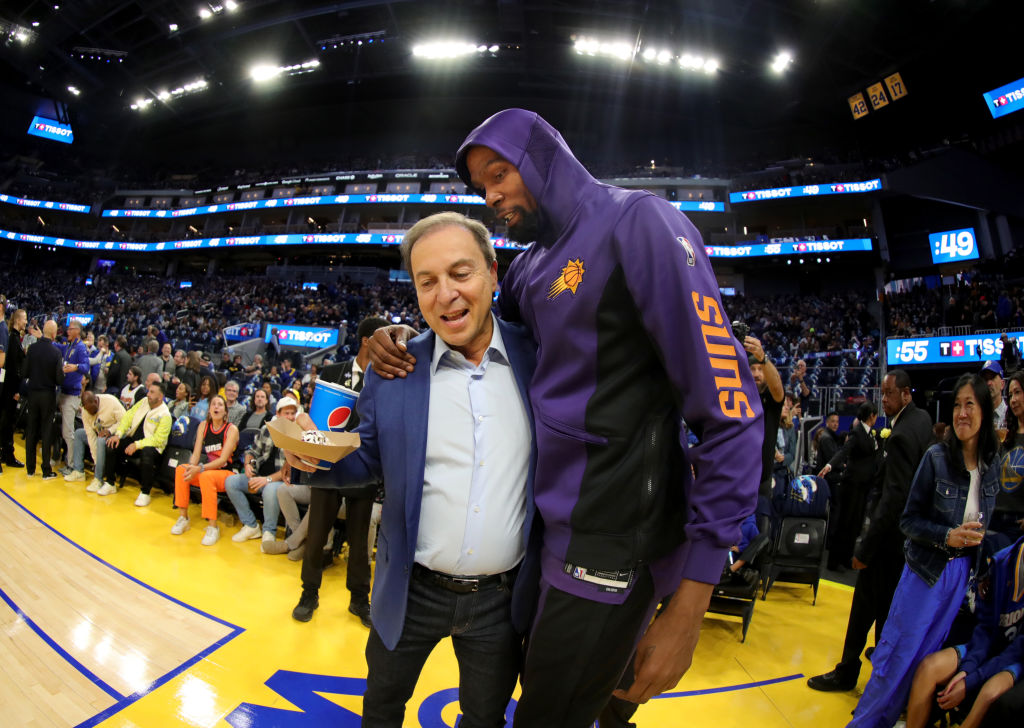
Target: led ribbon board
(946, 349)
(833, 188)
(44, 204)
(755, 250)
(410, 199)
(953, 245)
(1005, 99)
(252, 240)
(49, 129)
(307, 337)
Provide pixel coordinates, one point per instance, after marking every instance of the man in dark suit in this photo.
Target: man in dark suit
(453, 444)
(324, 504)
(44, 367)
(879, 557)
(860, 455)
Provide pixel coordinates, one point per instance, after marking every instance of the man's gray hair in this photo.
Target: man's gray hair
(442, 220)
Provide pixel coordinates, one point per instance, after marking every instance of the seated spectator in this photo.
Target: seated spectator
(236, 411)
(259, 413)
(991, 660)
(192, 372)
(101, 414)
(256, 367)
(207, 390)
(288, 373)
(235, 368)
(216, 441)
(266, 387)
(133, 391)
(144, 429)
(273, 378)
(264, 473)
(167, 358)
(182, 403)
(225, 361)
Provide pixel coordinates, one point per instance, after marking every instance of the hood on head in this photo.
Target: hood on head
(540, 154)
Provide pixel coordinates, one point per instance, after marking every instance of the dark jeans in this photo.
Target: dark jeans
(577, 652)
(323, 511)
(8, 415)
(872, 597)
(42, 405)
(487, 649)
(148, 457)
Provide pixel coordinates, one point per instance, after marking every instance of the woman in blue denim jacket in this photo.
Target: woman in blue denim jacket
(956, 479)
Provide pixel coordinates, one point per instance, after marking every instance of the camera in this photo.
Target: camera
(740, 330)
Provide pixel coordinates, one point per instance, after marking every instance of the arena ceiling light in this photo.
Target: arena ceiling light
(617, 49)
(74, 90)
(782, 61)
(693, 62)
(447, 49)
(144, 102)
(266, 71)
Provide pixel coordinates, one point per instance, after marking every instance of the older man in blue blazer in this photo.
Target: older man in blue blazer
(453, 444)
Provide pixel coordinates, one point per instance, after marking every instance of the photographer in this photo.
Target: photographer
(769, 386)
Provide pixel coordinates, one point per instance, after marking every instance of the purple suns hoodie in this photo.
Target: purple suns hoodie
(632, 338)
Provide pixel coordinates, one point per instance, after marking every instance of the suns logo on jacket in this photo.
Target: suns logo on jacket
(568, 279)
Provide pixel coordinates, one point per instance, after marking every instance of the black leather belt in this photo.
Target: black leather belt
(461, 584)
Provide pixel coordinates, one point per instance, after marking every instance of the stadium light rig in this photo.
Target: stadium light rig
(265, 71)
(623, 51)
(144, 102)
(449, 49)
(781, 62)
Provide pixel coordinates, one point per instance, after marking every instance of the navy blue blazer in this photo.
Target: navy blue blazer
(393, 434)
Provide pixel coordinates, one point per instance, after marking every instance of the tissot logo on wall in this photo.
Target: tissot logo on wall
(302, 336)
(947, 349)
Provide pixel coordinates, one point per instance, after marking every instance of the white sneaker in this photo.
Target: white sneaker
(74, 476)
(180, 526)
(107, 489)
(246, 533)
(143, 500)
(94, 485)
(269, 536)
(211, 535)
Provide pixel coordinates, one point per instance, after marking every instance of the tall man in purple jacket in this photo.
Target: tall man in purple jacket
(624, 306)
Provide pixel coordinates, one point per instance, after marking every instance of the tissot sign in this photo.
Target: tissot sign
(306, 337)
(947, 349)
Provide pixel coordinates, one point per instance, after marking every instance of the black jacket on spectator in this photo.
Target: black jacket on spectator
(828, 448)
(903, 451)
(117, 375)
(44, 366)
(860, 455)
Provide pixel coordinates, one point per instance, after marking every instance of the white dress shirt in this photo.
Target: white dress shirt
(477, 462)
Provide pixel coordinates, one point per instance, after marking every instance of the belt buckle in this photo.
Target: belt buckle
(472, 584)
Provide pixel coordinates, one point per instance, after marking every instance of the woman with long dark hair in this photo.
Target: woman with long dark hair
(207, 391)
(953, 490)
(216, 441)
(1007, 520)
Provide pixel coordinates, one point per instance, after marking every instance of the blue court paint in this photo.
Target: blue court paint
(729, 688)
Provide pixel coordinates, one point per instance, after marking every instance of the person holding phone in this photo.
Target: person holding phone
(954, 487)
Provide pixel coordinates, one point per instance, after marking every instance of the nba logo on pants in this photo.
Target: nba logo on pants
(332, 406)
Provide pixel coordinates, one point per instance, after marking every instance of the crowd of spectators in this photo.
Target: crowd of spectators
(129, 306)
(793, 326)
(980, 304)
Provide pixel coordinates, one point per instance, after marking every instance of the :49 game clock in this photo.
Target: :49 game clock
(953, 245)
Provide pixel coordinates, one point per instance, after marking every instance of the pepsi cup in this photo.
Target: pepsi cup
(332, 406)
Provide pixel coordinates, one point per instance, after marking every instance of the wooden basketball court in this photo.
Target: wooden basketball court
(109, 620)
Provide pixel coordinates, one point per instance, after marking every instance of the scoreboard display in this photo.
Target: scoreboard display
(953, 245)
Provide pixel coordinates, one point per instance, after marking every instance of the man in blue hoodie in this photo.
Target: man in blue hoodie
(632, 337)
